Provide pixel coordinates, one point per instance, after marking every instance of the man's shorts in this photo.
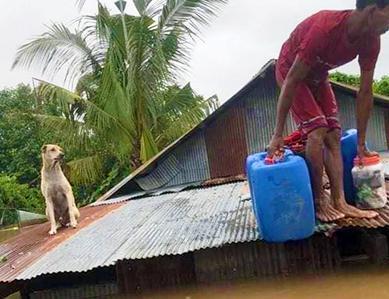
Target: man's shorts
(314, 105)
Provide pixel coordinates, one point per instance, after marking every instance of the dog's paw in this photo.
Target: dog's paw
(52, 232)
(73, 224)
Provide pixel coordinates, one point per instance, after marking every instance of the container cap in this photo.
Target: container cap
(276, 158)
(367, 161)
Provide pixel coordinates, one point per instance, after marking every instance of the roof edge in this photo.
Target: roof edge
(378, 98)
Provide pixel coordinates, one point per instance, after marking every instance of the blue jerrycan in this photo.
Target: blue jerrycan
(249, 162)
(349, 142)
(282, 197)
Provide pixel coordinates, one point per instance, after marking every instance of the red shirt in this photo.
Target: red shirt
(321, 42)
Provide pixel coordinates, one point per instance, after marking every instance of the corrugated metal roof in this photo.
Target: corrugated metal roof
(381, 221)
(169, 224)
(226, 143)
(187, 163)
(119, 199)
(193, 157)
(33, 242)
(261, 104)
(376, 132)
(156, 192)
(165, 171)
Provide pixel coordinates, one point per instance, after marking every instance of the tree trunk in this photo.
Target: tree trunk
(135, 156)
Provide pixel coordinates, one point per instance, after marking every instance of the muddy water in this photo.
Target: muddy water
(8, 233)
(361, 283)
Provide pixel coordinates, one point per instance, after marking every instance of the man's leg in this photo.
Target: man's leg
(312, 121)
(334, 168)
(333, 157)
(314, 156)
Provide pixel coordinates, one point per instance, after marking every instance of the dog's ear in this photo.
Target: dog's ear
(43, 149)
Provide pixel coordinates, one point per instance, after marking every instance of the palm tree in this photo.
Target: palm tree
(126, 102)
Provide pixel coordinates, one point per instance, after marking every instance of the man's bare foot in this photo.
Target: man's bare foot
(353, 212)
(325, 211)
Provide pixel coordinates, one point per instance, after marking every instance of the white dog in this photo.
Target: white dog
(61, 209)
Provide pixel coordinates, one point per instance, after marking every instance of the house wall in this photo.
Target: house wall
(220, 148)
(136, 276)
(81, 292)
(228, 263)
(97, 283)
(261, 260)
(376, 131)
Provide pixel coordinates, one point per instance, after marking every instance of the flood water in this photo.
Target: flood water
(363, 283)
(8, 233)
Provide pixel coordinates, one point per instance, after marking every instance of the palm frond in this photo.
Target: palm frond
(56, 50)
(148, 147)
(73, 135)
(181, 110)
(86, 170)
(188, 14)
(100, 120)
(142, 6)
(80, 4)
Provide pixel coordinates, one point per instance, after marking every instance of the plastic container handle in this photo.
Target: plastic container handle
(269, 160)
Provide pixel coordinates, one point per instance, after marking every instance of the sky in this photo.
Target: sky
(238, 42)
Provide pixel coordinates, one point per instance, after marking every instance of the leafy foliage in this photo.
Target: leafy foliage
(19, 136)
(380, 86)
(20, 140)
(353, 80)
(19, 196)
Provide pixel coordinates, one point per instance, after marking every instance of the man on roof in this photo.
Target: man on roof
(324, 41)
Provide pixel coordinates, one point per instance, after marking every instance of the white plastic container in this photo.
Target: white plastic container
(369, 182)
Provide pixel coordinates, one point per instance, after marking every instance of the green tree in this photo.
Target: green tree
(20, 139)
(353, 80)
(19, 196)
(20, 142)
(380, 86)
(126, 105)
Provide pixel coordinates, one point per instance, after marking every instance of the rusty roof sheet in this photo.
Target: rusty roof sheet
(381, 221)
(34, 242)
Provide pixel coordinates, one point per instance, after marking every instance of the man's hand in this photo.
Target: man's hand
(364, 152)
(276, 145)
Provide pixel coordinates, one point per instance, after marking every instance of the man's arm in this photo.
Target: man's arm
(297, 73)
(364, 107)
